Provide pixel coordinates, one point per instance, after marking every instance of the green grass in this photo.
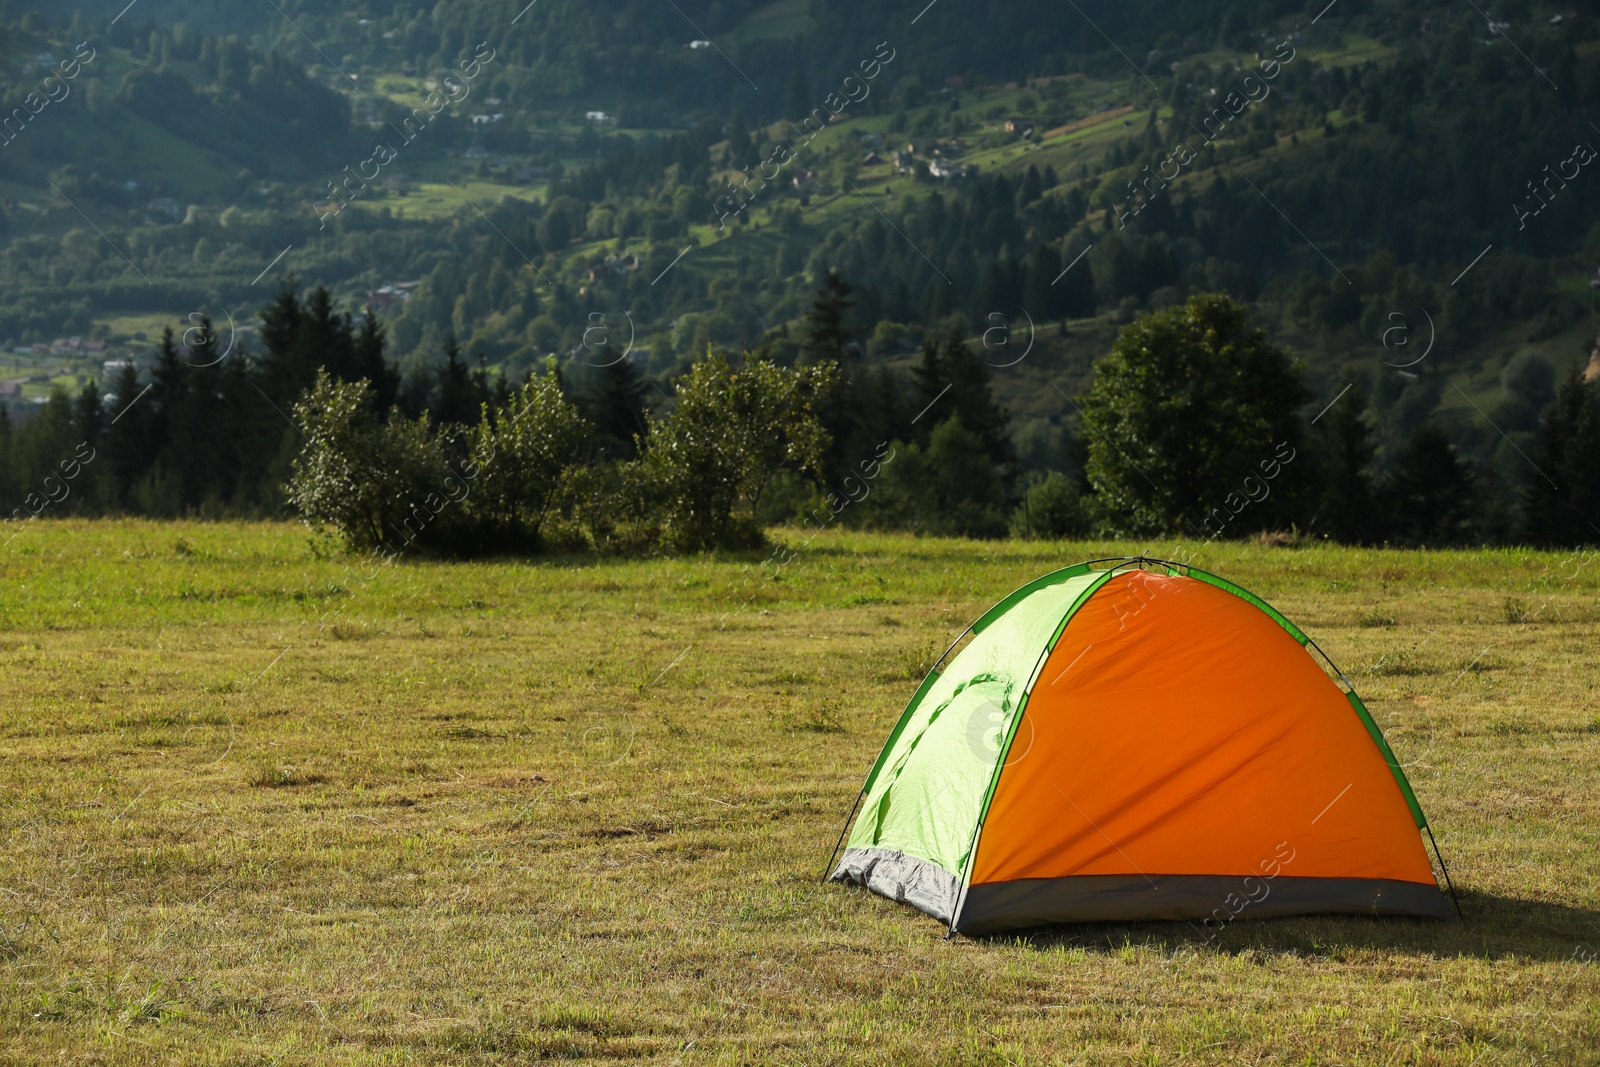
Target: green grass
(780, 18)
(429, 201)
(260, 806)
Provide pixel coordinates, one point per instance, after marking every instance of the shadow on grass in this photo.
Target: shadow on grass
(1494, 927)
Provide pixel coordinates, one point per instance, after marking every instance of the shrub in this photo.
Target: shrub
(1051, 510)
(522, 458)
(730, 432)
(382, 485)
(950, 488)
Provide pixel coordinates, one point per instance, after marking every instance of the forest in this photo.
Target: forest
(1235, 137)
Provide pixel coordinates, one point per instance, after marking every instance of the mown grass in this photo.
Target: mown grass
(258, 806)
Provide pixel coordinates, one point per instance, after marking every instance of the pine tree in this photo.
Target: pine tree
(1077, 292)
(797, 101)
(461, 391)
(1032, 187)
(1428, 497)
(8, 488)
(618, 411)
(170, 382)
(1561, 494)
(88, 416)
(1040, 296)
(281, 367)
(367, 362)
(930, 382)
(971, 398)
(1344, 448)
(827, 334)
(128, 436)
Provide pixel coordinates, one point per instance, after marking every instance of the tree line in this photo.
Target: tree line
(1194, 425)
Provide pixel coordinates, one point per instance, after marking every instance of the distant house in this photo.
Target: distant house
(391, 295)
(598, 117)
(113, 367)
(871, 159)
(948, 171)
(803, 178)
(397, 183)
(1015, 125)
(873, 141)
(530, 174)
(71, 346)
(477, 151)
(699, 44)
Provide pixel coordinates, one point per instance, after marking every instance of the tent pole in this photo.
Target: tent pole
(1448, 883)
(848, 819)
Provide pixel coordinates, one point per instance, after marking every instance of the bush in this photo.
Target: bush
(523, 457)
(708, 464)
(403, 483)
(382, 485)
(949, 488)
(1051, 510)
(515, 481)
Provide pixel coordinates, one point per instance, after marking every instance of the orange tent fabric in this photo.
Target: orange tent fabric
(1178, 729)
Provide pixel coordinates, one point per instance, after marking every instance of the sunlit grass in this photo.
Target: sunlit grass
(261, 806)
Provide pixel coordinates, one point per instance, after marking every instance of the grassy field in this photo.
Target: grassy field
(260, 806)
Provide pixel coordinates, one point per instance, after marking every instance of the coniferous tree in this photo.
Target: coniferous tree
(367, 362)
(797, 100)
(170, 384)
(1561, 494)
(1428, 497)
(128, 443)
(282, 368)
(1344, 448)
(1040, 296)
(929, 380)
(462, 391)
(827, 333)
(618, 411)
(971, 398)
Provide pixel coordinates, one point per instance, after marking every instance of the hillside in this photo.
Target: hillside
(1054, 179)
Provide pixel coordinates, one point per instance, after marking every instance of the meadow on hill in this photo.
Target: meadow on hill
(264, 805)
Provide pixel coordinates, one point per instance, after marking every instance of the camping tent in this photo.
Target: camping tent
(1137, 741)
